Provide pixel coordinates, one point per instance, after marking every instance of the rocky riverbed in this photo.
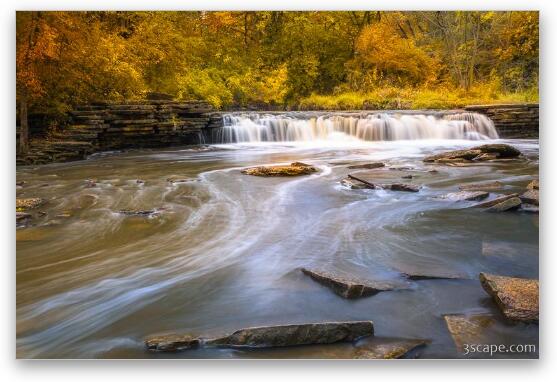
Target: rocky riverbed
(182, 249)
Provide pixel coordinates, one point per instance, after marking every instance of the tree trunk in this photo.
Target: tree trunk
(24, 127)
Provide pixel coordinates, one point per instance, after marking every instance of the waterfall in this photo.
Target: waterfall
(256, 127)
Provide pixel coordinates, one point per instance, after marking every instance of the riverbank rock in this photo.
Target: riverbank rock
(532, 196)
(294, 169)
(347, 286)
(489, 186)
(517, 298)
(465, 196)
(478, 153)
(507, 205)
(394, 349)
(367, 166)
(296, 334)
(171, 342)
(27, 203)
(466, 330)
(493, 202)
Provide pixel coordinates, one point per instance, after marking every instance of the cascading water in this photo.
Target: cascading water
(255, 127)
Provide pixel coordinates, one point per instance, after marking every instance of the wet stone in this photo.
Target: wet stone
(367, 166)
(482, 186)
(531, 197)
(28, 203)
(468, 329)
(171, 342)
(296, 334)
(294, 169)
(534, 185)
(493, 202)
(347, 286)
(507, 205)
(354, 185)
(517, 298)
(394, 349)
(465, 196)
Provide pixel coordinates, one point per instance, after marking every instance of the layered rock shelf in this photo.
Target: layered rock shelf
(115, 126)
(512, 120)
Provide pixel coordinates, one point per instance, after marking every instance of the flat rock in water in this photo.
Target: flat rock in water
(353, 184)
(171, 342)
(401, 187)
(347, 286)
(531, 197)
(152, 212)
(294, 169)
(28, 203)
(466, 195)
(517, 298)
(393, 349)
(478, 153)
(296, 334)
(493, 202)
(367, 166)
(507, 205)
(534, 185)
(430, 275)
(466, 330)
(529, 208)
(481, 186)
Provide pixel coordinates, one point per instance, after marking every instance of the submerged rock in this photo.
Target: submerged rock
(529, 208)
(27, 203)
(394, 349)
(294, 169)
(517, 298)
(466, 196)
(171, 342)
(152, 212)
(468, 329)
(493, 202)
(367, 166)
(417, 274)
(21, 216)
(347, 286)
(506, 205)
(531, 196)
(479, 153)
(481, 186)
(296, 334)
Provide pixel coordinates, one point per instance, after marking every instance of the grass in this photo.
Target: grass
(393, 98)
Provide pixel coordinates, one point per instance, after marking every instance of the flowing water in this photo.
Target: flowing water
(223, 250)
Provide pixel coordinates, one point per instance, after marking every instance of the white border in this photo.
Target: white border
(60, 371)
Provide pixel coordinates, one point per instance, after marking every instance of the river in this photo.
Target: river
(223, 250)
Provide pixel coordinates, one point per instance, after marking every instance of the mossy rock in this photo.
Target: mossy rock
(294, 169)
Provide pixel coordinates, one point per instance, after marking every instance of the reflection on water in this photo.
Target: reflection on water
(225, 251)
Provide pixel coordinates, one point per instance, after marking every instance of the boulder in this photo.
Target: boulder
(531, 196)
(294, 169)
(347, 286)
(493, 202)
(296, 334)
(27, 203)
(481, 186)
(534, 185)
(468, 329)
(171, 342)
(507, 205)
(466, 196)
(367, 166)
(517, 298)
(479, 153)
(393, 349)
